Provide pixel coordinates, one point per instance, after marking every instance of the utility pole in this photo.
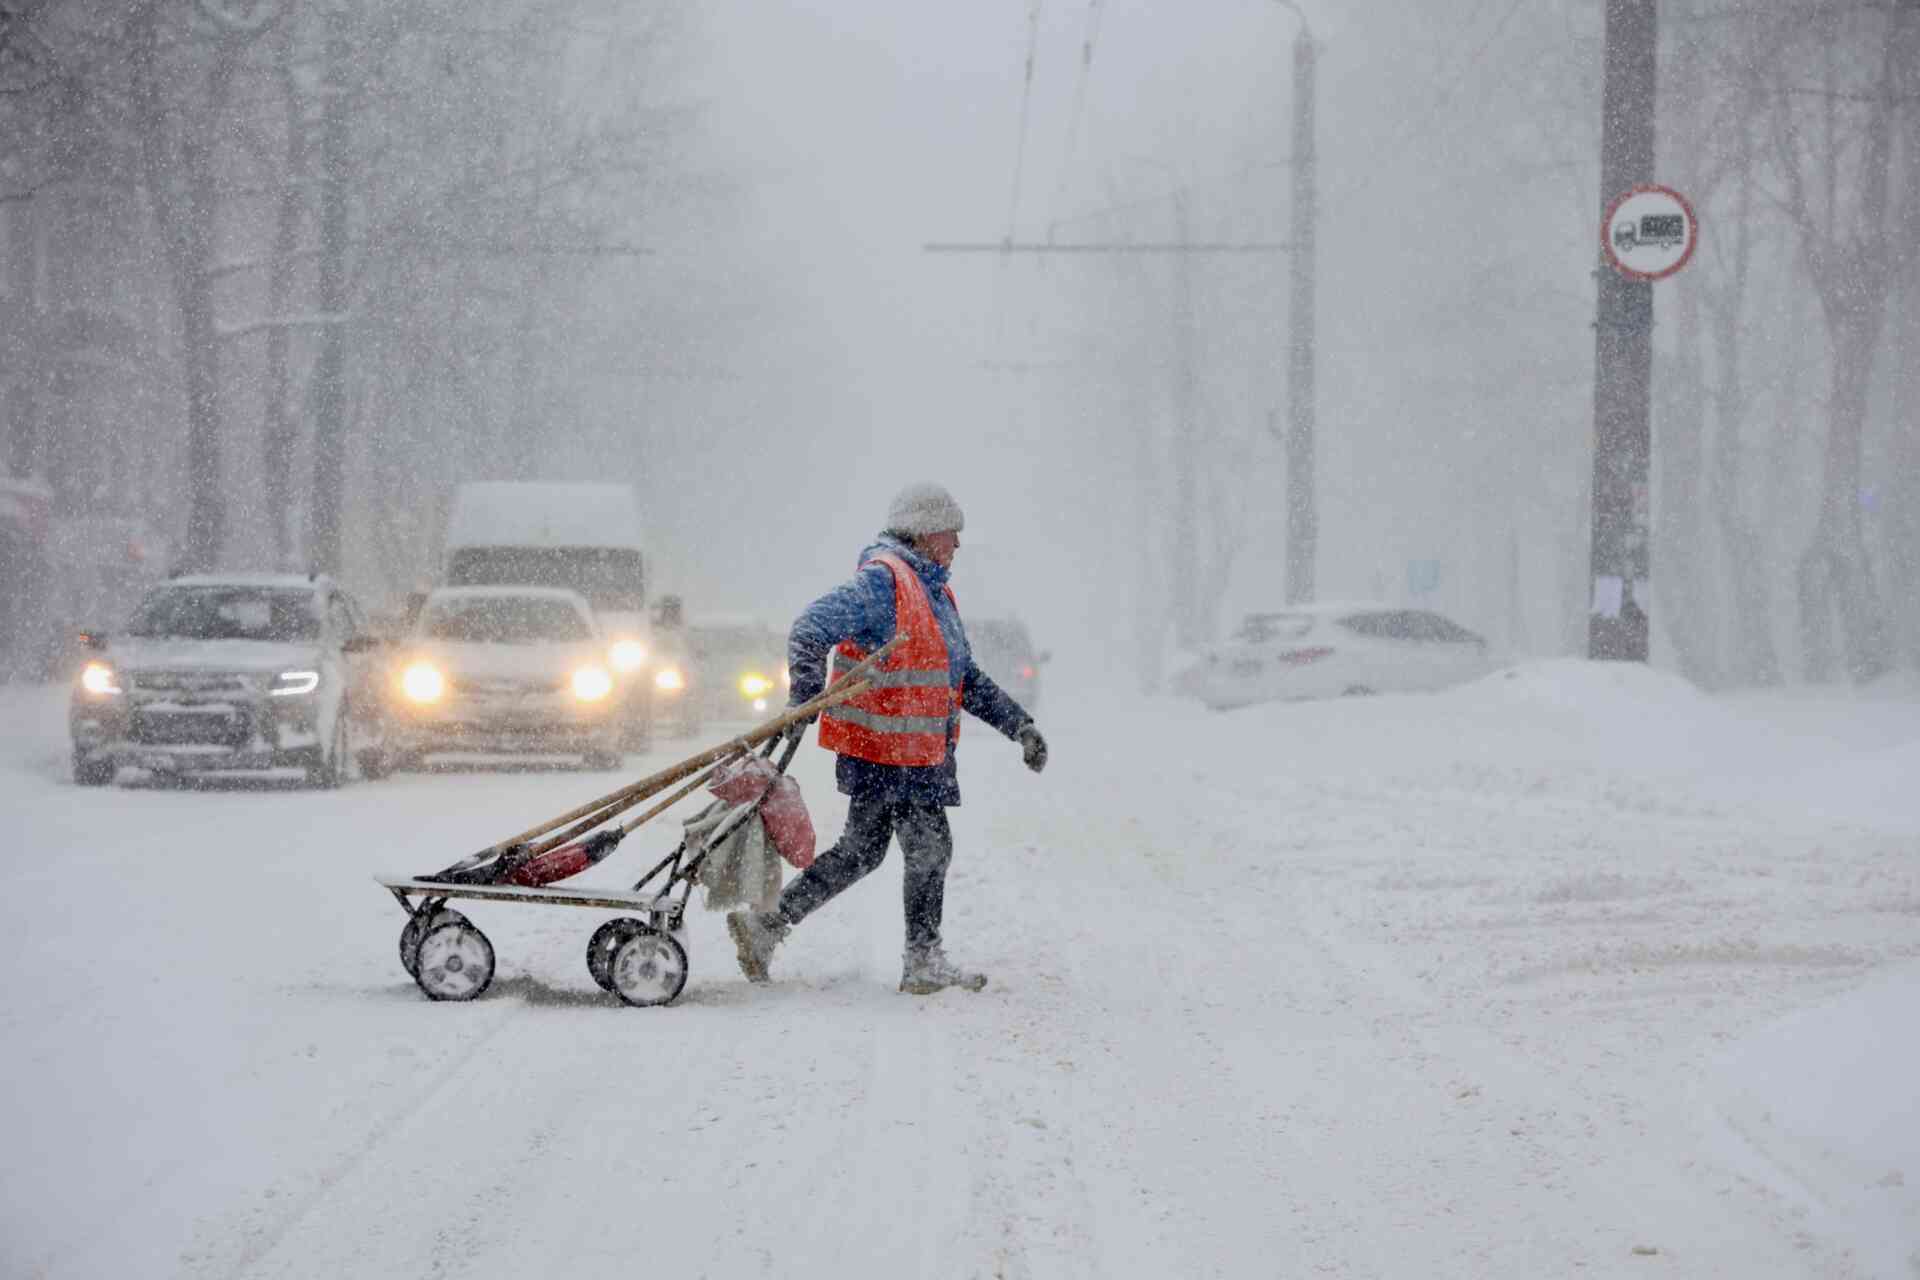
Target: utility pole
(1620, 601)
(1188, 630)
(1303, 519)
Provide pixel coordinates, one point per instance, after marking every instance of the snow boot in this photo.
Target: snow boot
(755, 935)
(927, 970)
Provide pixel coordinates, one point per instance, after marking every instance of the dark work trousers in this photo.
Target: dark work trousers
(872, 822)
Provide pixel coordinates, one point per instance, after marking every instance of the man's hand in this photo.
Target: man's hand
(796, 731)
(1033, 747)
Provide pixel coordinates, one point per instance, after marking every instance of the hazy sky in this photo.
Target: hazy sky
(855, 132)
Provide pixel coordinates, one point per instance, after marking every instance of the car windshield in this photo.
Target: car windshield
(609, 577)
(226, 613)
(733, 642)
(505, 620)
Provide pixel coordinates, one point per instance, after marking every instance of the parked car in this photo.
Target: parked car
(504, 671)
(216, 672)
(1322, 651)
(738, 669)
(1004, 650)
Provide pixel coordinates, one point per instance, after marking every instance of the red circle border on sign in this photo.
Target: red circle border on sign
(1606, 226)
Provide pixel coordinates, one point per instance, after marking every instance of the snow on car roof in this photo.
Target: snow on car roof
(275, 581)
(508, 593)
(728, 622)
(520, 514)
(1320, 609)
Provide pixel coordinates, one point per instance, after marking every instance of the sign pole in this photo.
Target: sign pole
(1619, 599)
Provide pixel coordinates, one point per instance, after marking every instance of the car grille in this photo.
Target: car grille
(198, 683)
(190, 728)
(503, 687)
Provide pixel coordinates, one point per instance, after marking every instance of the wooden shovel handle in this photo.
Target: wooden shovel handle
(599, 816)
(849, 686)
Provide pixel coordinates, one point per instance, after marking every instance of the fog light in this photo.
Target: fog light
(100, 680)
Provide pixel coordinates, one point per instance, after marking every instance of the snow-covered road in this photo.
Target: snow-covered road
(1573, 972)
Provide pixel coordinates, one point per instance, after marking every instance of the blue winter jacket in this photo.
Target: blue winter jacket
(861, 610)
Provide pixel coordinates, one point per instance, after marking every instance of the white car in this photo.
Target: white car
(504, 670)
(231, 672)
(1329, 650)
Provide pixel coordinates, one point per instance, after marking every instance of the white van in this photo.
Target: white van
(583, 537)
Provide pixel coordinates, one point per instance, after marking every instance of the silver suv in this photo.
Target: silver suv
(231, 672)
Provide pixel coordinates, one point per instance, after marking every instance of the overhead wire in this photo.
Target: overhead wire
(1026, 109)
(1034, 8)
(1091, 40)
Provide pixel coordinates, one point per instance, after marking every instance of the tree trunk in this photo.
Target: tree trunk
(1754, 658)
(1686, 606)
(277, 437)
(200, 347)
(329, 371)
(1835, 575)
(185, 209)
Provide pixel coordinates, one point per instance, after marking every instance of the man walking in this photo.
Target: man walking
(896, 741)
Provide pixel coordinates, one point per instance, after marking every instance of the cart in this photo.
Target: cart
(637, 956)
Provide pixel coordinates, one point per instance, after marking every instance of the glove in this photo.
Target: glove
(1033, 747)
(796, 731)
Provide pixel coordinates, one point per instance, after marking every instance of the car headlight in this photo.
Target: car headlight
(291, 684)
(627, 655)
(100, 680)
(669, 680)
(590, 684)
(754, 685)
(422, 682)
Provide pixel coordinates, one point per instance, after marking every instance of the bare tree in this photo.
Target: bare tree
(1833, 147)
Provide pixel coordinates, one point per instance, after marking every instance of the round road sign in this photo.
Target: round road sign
(1649, 233)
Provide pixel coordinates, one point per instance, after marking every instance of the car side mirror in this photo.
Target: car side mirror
(91, 639)
(361, 643)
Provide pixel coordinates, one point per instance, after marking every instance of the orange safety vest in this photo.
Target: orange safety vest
(904, 719)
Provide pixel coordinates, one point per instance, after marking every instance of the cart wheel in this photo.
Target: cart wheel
(604, 942)
(416, 928)
(649, 968)
(456, 961)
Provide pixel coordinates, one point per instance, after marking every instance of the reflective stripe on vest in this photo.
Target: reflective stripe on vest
(906, 718)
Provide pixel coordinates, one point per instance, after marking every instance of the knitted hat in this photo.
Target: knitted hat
(921, 509)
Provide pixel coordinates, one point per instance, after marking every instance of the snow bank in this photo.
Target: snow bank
(1821, 1108)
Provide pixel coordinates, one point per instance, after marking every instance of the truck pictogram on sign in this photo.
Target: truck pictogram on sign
(1649, 233)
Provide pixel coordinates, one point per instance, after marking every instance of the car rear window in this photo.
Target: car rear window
(1257, 627)
(505, 620)
(226, 613)
(1408, 624)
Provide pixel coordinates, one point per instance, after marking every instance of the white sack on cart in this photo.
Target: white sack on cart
(744, 870)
